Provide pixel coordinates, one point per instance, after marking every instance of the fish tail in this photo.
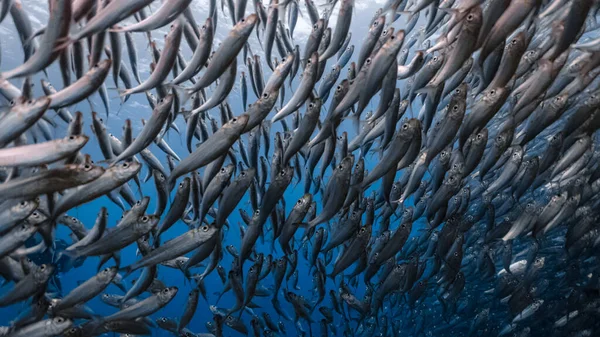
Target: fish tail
(427, 90)
(63, 43)
(182, 93)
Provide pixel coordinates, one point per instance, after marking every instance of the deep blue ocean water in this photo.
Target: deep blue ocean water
(137, 108)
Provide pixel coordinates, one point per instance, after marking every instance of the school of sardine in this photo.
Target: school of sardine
(444, 162)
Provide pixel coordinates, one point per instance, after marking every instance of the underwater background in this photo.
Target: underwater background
(425, 318)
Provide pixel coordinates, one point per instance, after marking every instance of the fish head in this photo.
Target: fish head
(73, 142)
(125, 170)
(32, 106)
(42, 273)
(410, 128)
(207, 29)
(226, 172)
(90, 170)
(164, 104)
(145, 223)
(24, 231)
(245, 25)
(517, 44)
(24, 208)
(57, 325)
(314, 107)
(473, 19)
(493, 95)
(166, 295)
(184, 186)
(345, 166)
(556, 140)
(247, 174)
(436, 61)
(481, 138)
(386, 33)
(317, 29)
(159, 177)
(236, 125)
(285, 175)
(304, 202)
(141, 205)
(377, 26)
(107, 275)
(394, 42)
(517, 154)
(100, 68)
(74, 331)
(407, 214)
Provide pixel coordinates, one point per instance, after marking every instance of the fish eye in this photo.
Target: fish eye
(222, 170)
(166, 290)
(59, 319)
(43, 267)
(340, 167)
(125, 165)
(12, 102)
(369, 61)
(29, 102)
(265, 95)
(470, 17)
(405, 126)
(308, 61)
(492, 92)
(257, 212)
(96, 66)
(435, 58)
(87, 167)
(35, 214)
(282, 173)
(234, 120)
(311, 105)
(243, 20)
(375, 23)
(145, 218)
(455, 108)
(514, 41)
(243, 174)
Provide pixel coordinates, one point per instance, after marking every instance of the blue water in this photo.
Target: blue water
(135, 109)
(475, 297)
